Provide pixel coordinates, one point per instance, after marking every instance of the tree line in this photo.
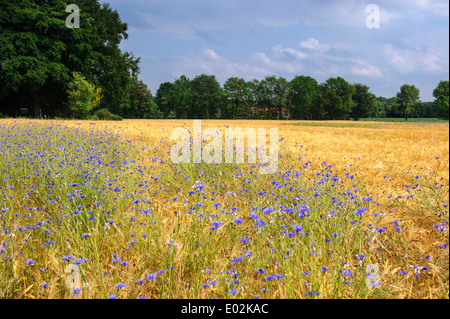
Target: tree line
(302, 98)
(48, 69)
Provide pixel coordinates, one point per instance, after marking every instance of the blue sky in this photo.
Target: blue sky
(323, 39)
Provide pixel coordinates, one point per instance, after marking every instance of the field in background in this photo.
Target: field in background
(349, 198)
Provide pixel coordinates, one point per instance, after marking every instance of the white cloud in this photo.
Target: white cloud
(418, 60)
(281, 61)
(313, 44)
(366, 70)
(278, 65)
(209, 62)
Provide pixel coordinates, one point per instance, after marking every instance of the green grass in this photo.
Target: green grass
(410, 120)
(336, 125)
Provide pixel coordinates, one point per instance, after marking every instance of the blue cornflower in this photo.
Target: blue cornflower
(403, 272)
(233, 291)
(440, 227)
(140, 281)
(303, 209)
(30, 261)
(253, 215)
(298, 228)
(312, 293)
(260, 223)
(67, 258)
(238, 220)
(347, 273)
(261, 271)
(112, 297)
(324, 269)
(151, 277)
(121, 285)
(76, 291)
(236, 260)
(244, 240)
(80, 261)
(360, 257)
(360, 211)
(269, 277)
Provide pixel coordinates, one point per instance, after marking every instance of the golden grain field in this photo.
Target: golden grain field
(385, 159)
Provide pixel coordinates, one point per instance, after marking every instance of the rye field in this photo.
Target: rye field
(355, 210)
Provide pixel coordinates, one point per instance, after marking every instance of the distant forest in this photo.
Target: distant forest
(48, 69)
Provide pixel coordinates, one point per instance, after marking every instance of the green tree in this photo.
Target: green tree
(180, 96)
(389, 107)
(163, 98)
(272, 93)
(141, 100)
(334, 99)
(237, 100)
(408, 100)
(205, 95)
(364, 102)
(380, 109)
(39, 53)
(441, 95)
(302, 91)
(83, 96)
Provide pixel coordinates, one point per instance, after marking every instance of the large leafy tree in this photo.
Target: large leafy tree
(302, 91)
(180, 95)
(237, 101)
(272, 94)
(441, 95)
(39, 53)
(334, 99)
(163, 99)
(364, 102)
(83, 96)
(141, 100)
(205, 96)
(408, 100)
